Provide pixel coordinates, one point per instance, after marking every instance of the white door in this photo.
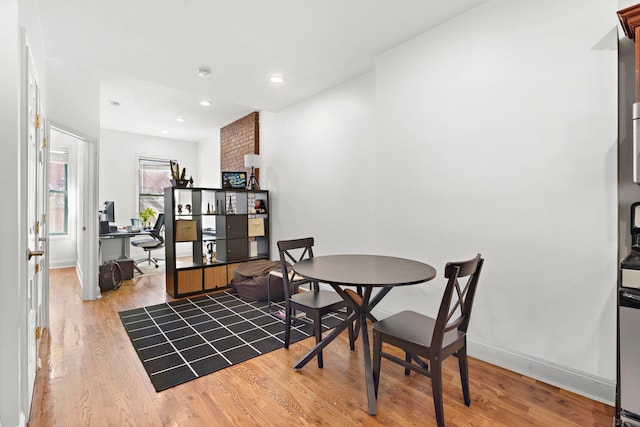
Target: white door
(34, 254)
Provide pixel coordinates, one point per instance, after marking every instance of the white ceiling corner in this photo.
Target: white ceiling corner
(146, 54)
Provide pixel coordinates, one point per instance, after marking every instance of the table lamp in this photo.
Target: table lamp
(252, 161)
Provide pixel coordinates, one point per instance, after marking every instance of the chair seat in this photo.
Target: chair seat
(414, 328)
(292, 276)
(147, 243)
(317, 299)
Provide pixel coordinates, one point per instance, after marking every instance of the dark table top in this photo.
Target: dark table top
(123, 233)
(365, 270)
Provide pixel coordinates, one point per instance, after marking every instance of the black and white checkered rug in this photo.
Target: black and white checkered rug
(182, 340)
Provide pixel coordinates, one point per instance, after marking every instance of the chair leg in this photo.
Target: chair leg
(317, 329)
(356, 328)
(464, 374)
(356, 325)
(352, 338)
(377, 357)
(407, 358)
(149, 259)
(287, 325)
(436, 387)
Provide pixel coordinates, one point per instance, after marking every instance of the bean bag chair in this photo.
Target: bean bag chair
(251, 279)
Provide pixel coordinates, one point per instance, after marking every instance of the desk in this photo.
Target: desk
(368, 272)
(116, 245)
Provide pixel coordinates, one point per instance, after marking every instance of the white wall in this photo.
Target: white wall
(494, 133)
(517, 158)
(73, 98)
(318, 159)
(12, 298)
(119, 153)
(209, 162)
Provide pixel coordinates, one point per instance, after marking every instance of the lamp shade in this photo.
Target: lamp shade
(251, 160)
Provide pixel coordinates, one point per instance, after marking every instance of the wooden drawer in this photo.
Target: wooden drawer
(215, 277)
(189, 281)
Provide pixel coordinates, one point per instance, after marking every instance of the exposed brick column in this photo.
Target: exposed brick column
(237, 139)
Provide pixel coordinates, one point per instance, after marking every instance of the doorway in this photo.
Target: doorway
(72, 200)
(63, 197)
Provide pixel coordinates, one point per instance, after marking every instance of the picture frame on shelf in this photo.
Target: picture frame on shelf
(237, 180)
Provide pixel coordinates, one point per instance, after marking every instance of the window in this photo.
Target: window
(59, 191)
(153, 176)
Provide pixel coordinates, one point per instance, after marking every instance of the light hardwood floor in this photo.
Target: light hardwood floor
(91, 376)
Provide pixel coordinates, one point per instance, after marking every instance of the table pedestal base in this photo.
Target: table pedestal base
(361, 311)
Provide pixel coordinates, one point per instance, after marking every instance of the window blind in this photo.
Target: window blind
(59, 155)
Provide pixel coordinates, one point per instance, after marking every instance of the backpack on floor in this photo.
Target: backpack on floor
(110, 276)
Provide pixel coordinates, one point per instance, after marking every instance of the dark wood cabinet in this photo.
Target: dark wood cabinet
(208, 232)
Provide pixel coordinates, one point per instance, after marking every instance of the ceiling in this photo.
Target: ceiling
(146, 54)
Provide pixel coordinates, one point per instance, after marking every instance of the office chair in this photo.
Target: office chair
(156, 242)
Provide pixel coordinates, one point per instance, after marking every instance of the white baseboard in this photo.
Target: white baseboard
(590, 386)
(62, 263)
(587, 385)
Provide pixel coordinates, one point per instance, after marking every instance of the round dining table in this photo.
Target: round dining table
(366, 273)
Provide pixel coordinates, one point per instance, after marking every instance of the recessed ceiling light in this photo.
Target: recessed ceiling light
(180, 119)
(165, 132)
(205, 103)
(276, 79)
(204, 72)
(114, 103)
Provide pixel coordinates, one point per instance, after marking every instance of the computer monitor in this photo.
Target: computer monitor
(109, 211)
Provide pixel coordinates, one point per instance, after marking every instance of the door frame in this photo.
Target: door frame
(87, 228)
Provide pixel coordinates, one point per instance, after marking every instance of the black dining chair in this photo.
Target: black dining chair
(155, 242)
(423, 337)
(314, 303)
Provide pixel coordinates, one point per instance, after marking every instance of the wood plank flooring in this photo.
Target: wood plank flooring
(91, 376)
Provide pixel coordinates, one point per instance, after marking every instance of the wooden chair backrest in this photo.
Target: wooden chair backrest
(293, 251)
(455, 308)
